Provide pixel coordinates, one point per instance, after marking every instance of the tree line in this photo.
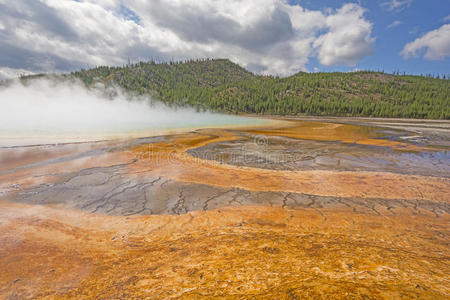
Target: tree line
(220, 85)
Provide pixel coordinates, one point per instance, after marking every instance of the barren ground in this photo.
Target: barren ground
(318, 208)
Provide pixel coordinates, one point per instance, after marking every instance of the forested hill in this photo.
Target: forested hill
(224, 86)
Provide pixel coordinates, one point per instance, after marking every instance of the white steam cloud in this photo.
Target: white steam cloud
(49, 108)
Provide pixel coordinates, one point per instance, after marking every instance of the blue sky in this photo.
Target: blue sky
(265, 36)
(420, 17)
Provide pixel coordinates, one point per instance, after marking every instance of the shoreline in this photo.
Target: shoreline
(273, 121)
(299, 117)
(45, 140)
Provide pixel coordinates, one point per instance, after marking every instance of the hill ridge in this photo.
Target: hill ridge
(221, 85)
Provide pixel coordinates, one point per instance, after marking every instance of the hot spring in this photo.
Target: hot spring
(45, 111)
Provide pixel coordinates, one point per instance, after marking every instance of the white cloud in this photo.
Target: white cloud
(396, 5)
(267, 36)
(395, 24)
(446, 19)
(435, 44)
(348, 39)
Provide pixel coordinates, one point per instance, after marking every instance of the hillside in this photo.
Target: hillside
(224, 86)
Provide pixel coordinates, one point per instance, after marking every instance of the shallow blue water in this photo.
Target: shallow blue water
(79, 131)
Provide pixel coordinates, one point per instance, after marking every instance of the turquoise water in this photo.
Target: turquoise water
(49, 132)
(167, 121)
(66, 111)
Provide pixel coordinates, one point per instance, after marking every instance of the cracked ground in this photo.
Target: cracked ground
(308, 209)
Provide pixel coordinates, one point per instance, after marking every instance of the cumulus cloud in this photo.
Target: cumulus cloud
(435, 45)
(349, 37)
(266, 36)
(396, 5)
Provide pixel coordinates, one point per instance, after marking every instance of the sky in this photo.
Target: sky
(278, 37)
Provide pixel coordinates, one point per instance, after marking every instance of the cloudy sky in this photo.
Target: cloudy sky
(265, 36)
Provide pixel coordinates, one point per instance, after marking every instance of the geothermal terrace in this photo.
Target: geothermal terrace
(291, 209)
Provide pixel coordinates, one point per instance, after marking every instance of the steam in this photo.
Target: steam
(45, 107)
